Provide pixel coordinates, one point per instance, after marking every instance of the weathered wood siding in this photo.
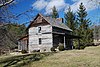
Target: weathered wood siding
(19, 46)
(22, 45)
(45, 35)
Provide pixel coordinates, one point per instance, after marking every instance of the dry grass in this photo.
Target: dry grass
(89, 57)
(21, 60)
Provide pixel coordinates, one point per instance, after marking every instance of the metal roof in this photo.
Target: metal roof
(56, 23)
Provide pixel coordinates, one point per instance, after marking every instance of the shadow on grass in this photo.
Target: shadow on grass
(22, 60)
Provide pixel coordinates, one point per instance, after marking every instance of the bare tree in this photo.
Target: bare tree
(5, 14)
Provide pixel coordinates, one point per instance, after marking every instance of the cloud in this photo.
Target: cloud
(47, 5)
(89, 4)
(58, 4)
(40, 4)
(75, 0)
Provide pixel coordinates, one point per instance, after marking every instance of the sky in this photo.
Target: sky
(45, 7)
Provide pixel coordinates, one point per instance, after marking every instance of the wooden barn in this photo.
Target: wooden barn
(45, 33)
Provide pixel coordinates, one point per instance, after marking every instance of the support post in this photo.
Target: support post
(64, 42)
(72, 43)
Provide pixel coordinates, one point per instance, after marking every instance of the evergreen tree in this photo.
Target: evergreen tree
(84, 30)
(55, 13)
(70, 19)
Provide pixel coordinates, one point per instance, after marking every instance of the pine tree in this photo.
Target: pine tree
(84, 30)
(55, 13)
(70, 19)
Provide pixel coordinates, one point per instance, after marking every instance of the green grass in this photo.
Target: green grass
(89, 57)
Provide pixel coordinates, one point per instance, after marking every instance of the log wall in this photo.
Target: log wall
(45, 35)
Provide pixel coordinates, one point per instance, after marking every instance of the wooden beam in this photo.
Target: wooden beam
(58, 33)
(64, 42)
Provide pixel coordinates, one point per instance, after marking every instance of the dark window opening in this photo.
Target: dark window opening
(39, 29)
(39, 40)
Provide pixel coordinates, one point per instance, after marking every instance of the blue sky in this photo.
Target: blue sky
(45, 7)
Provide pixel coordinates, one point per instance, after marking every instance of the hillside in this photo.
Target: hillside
(6, 40)
(90, 57)
(9, 35)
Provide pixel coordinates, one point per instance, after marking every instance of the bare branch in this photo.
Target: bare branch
(4, 2)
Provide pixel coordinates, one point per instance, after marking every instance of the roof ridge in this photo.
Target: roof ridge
(54, 22)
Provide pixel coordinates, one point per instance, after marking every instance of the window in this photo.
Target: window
(39, 29)
(39, 41)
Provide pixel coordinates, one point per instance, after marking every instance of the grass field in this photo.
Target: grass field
(89, 57)
(21, 60)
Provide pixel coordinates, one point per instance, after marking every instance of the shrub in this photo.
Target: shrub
(53, 49)
(24, 51)
(82, 47)
(75, 44)
(61, 47)
(36, 51)
(44, 50)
